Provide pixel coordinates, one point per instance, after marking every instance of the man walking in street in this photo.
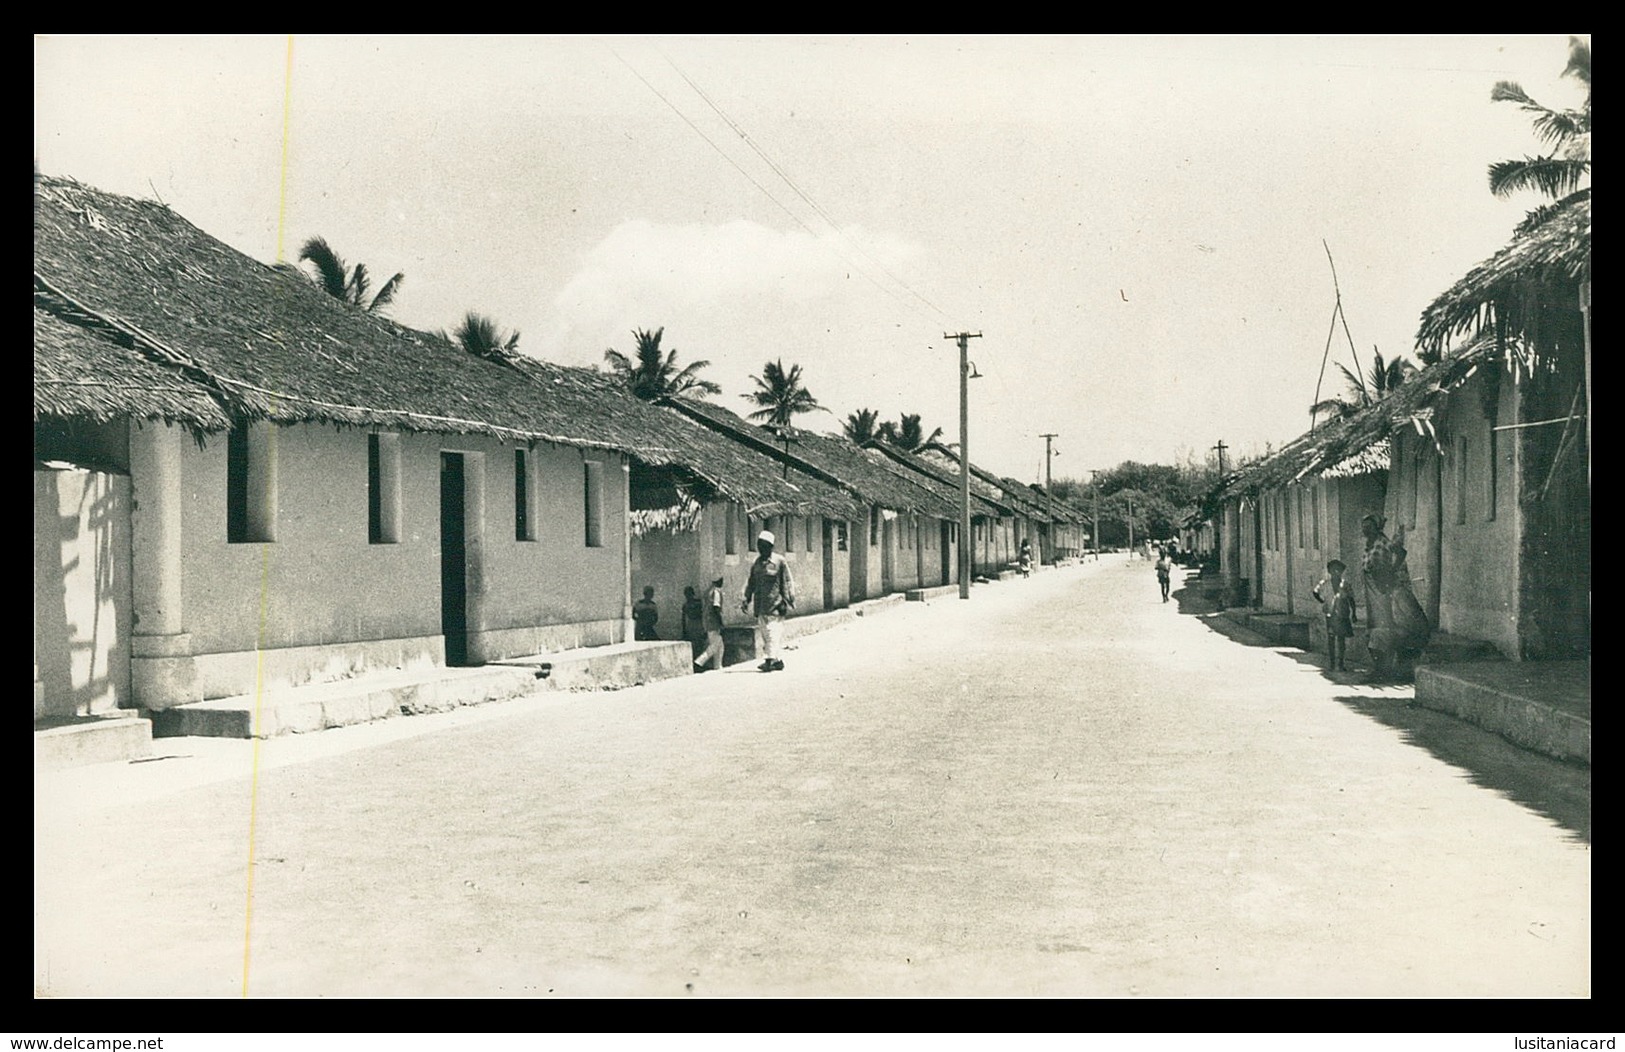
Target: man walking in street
(771, 595)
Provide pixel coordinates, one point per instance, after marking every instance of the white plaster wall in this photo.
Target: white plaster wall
(322, 584)
(1479, 557)
(81, 591)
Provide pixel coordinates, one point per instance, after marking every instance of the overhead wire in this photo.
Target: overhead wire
(791, 183)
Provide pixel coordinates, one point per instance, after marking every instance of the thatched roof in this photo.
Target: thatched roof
(836, 460)
(1013, 495)
(938, 476)
(711, 466)
(1358, 444)
(82, 375)
(273, 345)
(1537, 272)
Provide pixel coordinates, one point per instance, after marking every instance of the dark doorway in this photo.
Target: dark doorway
(888, 556)
(857, 561)
(453, 559)
(829, 565)
(947, 533)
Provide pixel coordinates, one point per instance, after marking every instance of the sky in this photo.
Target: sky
(1138, 227)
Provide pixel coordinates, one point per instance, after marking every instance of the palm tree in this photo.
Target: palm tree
(860, 426)
(342, 283)
(781, 395)
(908, 434)
(1384, 377)
(1567, 135)
(478, 335)
(655, 374)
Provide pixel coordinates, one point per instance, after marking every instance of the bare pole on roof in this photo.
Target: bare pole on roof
(1337, 315)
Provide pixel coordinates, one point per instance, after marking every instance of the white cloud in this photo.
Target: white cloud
(644, 270)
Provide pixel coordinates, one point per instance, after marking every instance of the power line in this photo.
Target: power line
(791, 183)
(712, 144)
(768, 193)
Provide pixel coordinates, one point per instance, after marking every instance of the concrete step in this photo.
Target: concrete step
(91, 739)
(317, 706)
(1445, 649)
(920, 595)
(739, 641)
(1286, 630)
(609, 667)
(1544, 706)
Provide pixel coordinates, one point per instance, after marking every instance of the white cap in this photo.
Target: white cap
(767, 535)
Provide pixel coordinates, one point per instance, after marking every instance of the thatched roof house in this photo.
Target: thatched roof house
(1522, 289)
(88, 377)
(272, 345)
(835, 460)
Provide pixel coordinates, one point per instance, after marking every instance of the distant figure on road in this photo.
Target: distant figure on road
(1025, 559)
(645, 614)
(1336, 598)
(771, 594)
(693, 613)
(711, 619)
(1165, 572)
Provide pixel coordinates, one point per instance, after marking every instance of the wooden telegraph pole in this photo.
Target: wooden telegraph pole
(1219, 521)
(1048, 496)
(962, 338)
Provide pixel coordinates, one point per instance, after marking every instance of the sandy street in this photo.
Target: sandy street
(1062, 787)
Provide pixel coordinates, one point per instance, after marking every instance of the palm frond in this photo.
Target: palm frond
(331, 272)
(1511, 91)
(1537, 217)
(1550, 176)
(1356, 383)
(1579, 66)
(859, 426)
(386, 295)
(1335, 408)
(356, 290)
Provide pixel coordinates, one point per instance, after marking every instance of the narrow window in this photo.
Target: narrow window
(1461, 479)
(1491, 467)
(808, 523)
(874, 526)
(1415, 481)
(787, 543)
(1315, 496)
(593, 502)
(840, 535)
(730, 540)
(251, 484)
(1297, 500)
(524, 496)
(383, 489)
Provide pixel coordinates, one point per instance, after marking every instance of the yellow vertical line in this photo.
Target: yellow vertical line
(265, 557)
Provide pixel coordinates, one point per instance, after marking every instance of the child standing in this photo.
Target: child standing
(1165, 572)
(644, 615)
(1336, 597)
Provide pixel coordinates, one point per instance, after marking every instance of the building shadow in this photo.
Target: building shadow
(1555, 789)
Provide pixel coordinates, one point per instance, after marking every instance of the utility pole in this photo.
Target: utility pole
(962, 338)
(1048, 496)
(1131, 527)
(1219, 522)
(1094, 525)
